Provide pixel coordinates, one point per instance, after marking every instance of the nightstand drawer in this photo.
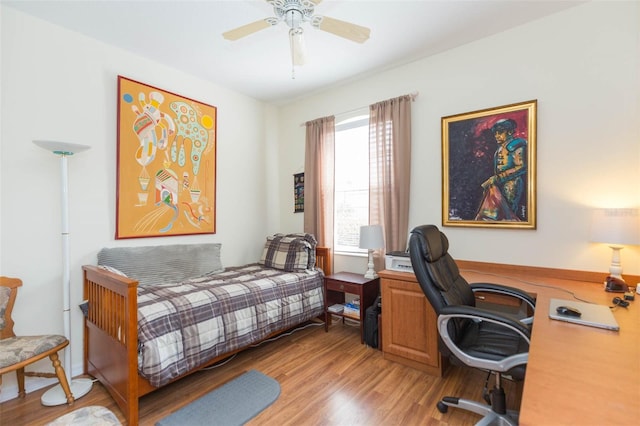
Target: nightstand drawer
(343, 286)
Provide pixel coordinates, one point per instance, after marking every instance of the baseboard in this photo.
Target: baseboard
(9, 388)
(31, 384)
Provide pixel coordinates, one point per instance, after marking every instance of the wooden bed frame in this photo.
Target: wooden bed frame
(111, 335)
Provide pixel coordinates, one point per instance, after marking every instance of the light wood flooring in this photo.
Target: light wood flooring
(325, 378)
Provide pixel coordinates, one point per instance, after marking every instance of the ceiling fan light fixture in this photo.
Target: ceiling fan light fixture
(298, 49)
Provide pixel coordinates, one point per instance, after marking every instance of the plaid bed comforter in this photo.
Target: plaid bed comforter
(182, 326)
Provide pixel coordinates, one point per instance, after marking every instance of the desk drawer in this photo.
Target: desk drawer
(343, 286)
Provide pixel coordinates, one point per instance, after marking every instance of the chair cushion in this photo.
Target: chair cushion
(14, 350)
(487, 340)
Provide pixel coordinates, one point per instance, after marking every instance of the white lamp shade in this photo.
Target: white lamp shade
(616, 226)
(371, 237)
(61, 148)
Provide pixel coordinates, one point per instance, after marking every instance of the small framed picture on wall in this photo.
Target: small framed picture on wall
(298, 193)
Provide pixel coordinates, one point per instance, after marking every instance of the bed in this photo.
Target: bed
(246, 305)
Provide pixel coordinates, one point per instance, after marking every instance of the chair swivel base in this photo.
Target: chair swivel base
(490, 417)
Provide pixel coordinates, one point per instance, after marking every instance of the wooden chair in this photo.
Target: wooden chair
(16, 352)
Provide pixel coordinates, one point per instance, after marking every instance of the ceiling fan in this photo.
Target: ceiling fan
(294, 13)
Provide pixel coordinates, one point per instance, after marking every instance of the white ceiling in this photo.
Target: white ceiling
(187, 35)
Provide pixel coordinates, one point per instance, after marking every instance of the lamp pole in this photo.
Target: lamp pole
(79, 387)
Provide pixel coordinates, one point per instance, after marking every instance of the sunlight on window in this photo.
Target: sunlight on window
(351, 183)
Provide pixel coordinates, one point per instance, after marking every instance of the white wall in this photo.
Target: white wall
(582, 65)
(63, 86)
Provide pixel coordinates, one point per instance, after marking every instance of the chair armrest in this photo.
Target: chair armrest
(505, 290)
(461, 311)
(486, 315)
(508, 291)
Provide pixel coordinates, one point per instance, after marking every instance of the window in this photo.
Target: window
(351, 183)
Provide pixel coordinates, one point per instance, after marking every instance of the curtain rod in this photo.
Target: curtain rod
(413, 96)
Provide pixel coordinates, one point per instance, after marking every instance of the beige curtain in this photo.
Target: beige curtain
(390, 171)
(318, 180)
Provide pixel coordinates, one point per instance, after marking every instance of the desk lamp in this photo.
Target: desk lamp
(371, 238)
(616, 227)
(79, 387)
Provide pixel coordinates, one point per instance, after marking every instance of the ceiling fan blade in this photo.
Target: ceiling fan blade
(246, 30)
(343, 29)
(298, 49)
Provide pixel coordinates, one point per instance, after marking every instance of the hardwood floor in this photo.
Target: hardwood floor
(325, 378)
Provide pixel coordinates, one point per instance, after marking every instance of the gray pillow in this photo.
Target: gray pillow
(163, 264)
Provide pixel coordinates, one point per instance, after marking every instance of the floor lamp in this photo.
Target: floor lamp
(79, 387)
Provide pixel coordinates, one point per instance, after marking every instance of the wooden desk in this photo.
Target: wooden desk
(578, 374)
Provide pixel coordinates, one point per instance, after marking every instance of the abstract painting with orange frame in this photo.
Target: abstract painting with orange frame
(166, 163)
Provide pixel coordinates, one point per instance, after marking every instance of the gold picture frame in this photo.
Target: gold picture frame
(489, 167)
(166, 163)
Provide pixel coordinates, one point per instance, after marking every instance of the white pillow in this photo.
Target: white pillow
(112, 269)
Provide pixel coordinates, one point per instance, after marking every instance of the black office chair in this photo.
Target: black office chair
(488, 340)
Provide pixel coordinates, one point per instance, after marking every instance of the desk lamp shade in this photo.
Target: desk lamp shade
(616, 228)
(371, 238)
(79, 387)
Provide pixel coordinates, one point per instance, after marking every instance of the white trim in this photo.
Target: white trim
(30, 384)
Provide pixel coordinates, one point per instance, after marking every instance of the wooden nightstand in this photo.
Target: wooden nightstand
(335, 287)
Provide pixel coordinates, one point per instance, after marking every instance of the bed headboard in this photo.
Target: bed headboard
(323, 259)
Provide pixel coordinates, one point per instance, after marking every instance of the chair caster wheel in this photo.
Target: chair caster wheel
(442, 407)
